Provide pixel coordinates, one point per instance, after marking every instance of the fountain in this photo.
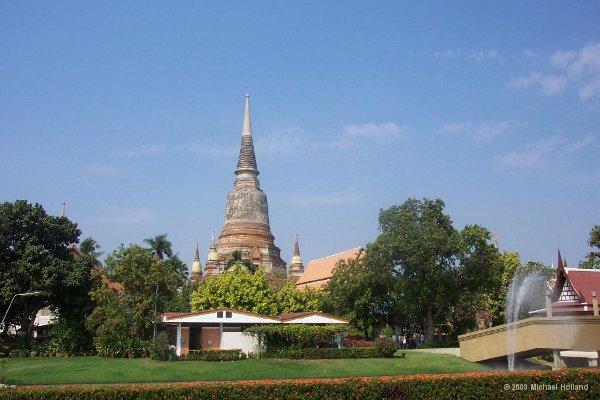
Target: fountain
(526, 289)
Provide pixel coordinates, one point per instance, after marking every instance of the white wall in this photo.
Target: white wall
(237, 340)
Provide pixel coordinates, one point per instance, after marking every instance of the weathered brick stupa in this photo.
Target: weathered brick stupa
(246, 226)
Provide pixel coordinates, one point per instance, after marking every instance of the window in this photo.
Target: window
(219, 314)
(227, 314)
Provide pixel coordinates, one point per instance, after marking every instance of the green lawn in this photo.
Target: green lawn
(29, 371)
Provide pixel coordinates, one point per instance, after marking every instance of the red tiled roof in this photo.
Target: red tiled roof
(319, 271)
(584, 282)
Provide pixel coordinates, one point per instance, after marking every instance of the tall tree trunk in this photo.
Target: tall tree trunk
(429, 325)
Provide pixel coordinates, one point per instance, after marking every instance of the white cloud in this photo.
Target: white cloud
(480, 56)
(587, 141)
(542, 154)
(478, 132)
(579, 69)
(374, 130)
(549, 84)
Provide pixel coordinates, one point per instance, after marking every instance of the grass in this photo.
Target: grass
(97, 370)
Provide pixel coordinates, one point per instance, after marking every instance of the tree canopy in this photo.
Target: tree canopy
(243, 290)
(420, 269)
(160, 246)
(148, 285)
(35, 257)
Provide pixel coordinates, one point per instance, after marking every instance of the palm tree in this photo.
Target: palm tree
(236, 259)
(90, 246)
(160, 246)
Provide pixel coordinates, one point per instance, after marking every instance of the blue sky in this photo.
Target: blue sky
(131, 113)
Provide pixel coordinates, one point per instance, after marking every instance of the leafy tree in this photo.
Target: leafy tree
(180, 302)
(34, 256)
(359, 290)
(290, 299)
(239, 289)
(509, 264)
(439, 272)
(593, 257)
(90, 246)
(148, 285)
(160, 246)
(422, 246)
(477, 275)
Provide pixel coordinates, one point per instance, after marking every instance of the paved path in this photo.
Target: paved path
(452, 351)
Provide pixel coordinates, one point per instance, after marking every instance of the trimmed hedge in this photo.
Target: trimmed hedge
(323, 353)
(215, 355)
(574, 384)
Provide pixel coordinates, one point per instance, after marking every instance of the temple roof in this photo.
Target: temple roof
(319, 271)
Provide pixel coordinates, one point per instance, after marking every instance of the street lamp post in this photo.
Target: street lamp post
(13, 299)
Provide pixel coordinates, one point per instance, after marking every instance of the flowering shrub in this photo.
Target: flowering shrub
(386, 347)
(358, 343)
(569, 384)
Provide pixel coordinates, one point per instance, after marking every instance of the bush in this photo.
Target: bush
(574, 384)
(215, 355)
(19, 353)
(297, 336)
(159, 349)
(358, 343)
(322, 353)
(386, 347)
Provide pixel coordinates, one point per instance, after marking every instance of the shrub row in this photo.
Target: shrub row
(322, 353)
(215, 355)
(574, 384)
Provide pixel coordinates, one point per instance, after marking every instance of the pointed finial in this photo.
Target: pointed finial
(197, 255)
(246, 168)
(296, 247)
(494, 239)
(212, 239)
(247, 130)
(62, 209)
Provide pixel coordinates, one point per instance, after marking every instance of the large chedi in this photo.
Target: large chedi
(246, 226)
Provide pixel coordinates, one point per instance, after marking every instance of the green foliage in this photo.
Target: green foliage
(433, 272)
(159, 350)
(66, 337)
(386, 347)
(388, 331)
(91, 247)
(236, 261)
(240, 290)
(289, 299)
(215, 355)
(360, 290)
(160, 246)
(322, 353)
(2, 373)
(123, 321)
(34, 256)
(181, 300)
(593, 257)
(298, 336)
(497, 385)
